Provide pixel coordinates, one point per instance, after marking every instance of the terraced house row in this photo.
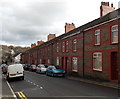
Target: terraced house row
(91, 50)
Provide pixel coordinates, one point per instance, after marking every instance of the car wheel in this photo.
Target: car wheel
(63, 75)
(36, 71)
(52, 74)
(46, 74)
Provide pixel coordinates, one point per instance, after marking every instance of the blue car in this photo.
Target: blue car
(54, 71)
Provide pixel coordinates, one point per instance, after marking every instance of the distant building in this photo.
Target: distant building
(51, 36)
(69, 27)
(17, 58)
(106, 8)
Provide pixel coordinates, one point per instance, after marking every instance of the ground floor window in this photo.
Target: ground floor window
(48, 61)
(97, 61)
(74, 64)
(40, 61)
(57, 61)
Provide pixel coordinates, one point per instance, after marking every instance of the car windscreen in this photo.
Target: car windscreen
(33, 66)
(57, 67)
(42, 66)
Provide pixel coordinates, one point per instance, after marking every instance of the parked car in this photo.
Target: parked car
(41, 68)
(4, 68)
(26, 66)
(54, 71)
(15, 71)
(32, 68)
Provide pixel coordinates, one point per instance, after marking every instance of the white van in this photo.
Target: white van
(14, 71)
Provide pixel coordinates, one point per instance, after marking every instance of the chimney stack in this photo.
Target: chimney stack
(33, 45)
(69, 27)
(40, 42)
(51, 36)
(105, 8)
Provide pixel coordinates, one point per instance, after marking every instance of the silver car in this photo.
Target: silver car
(41, 68)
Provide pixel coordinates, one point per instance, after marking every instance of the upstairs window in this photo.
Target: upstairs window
(75, 45)
(97, 37)
(114, 31)
(97, 61)
(67, 44)
(57, 47)
(63, 47)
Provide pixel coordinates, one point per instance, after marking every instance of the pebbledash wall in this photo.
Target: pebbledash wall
(90, 50)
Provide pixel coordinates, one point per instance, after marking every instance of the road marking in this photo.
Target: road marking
(11, 90)
(34, 84)
(21, 95)
(41, 87)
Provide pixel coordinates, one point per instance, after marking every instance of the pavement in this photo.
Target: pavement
(97, 82)
(6, 91)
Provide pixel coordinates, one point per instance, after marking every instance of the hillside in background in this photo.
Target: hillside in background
(8, 52)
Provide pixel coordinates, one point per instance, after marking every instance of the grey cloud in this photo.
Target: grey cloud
(25, 25)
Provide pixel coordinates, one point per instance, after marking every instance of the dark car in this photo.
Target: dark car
(54, 71)
(26, 66)
(32, 68)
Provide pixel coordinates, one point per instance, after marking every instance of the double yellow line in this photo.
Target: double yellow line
(21, 95)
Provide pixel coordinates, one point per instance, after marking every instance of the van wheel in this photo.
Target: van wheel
(22, 78)
(7, 78)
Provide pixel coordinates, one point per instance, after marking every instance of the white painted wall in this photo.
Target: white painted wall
(17, 58)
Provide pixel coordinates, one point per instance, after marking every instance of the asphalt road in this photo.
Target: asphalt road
(44, 87)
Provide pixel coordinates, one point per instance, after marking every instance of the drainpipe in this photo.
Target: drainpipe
(37, 54)
(118, 61)
(82, 31)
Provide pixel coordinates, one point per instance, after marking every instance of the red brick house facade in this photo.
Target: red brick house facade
(91, 50)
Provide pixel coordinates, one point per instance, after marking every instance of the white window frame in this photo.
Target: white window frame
(74, 64)
(98, 57)
(97, 37)
(67, 46)
(63, 46)
(113, 31)
(48, 61)
(40, 61)
(57, 47)
(57, 61)
(75, 45)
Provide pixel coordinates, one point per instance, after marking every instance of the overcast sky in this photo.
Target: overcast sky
(26, 21)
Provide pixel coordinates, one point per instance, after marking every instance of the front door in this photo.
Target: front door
(66, 63)
(114, 66)
(62, 62)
